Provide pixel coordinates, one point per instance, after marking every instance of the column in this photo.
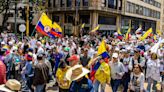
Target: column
(118, 22)
(94, 19)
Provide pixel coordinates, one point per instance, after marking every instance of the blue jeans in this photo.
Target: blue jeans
(97, 84)
(115, 84)
(40, 88)
(150, 80)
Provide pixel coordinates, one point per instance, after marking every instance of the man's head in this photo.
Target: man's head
(73, 60)
(115, 57)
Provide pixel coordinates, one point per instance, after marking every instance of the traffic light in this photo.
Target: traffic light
(31, 15)
(23, 13)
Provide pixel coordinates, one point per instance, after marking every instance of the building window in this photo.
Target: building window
(137, 9)
(141, 10)
(128, 7)
(112, 4)
(85, 2)
(56, 18)
(69, 3)
(85, 19)
(77, 2)
(107, 20)
(69, 19)
(62, 3)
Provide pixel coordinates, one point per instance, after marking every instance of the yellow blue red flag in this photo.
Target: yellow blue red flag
(56, 30)
(127, 34)
(44, 25)
(96, 28)
(147, 33)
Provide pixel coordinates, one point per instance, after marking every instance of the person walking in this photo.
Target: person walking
(153, 72)
(2, 73)
(137, 79)
(41, 72)
(80, 83)
(117, 72)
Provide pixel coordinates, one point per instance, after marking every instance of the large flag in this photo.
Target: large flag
(127, 34)
(96, 28)
(103, 52)
(147, 33)
(56, 30)
(44, 25)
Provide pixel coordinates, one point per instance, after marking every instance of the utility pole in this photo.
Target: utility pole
(27, 20)
(76, 18)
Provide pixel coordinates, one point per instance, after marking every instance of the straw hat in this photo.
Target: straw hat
(76, 72)
(11, 85)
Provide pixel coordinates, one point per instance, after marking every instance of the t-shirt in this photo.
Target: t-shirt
(137, 82)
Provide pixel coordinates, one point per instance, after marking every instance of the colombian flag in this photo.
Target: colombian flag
(56, 30)
(103, 52)
(96, 28)
(147, 33)
(44, 26)
(127, 34)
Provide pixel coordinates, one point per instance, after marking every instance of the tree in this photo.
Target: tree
(3, 5)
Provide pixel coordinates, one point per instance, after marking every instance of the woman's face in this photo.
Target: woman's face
(136, 69)
(154, 56)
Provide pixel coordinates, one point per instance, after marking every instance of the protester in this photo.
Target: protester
(41, 74)
(153, 71)
(117, 72)
(2, 73)
(137, 79)
(21, 59)
(80, 83)
(63, 83)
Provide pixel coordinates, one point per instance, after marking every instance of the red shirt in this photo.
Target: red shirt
(2, 73)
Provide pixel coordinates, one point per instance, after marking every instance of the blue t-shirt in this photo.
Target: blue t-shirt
(85, 85)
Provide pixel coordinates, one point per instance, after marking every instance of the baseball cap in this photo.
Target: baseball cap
(74, 57)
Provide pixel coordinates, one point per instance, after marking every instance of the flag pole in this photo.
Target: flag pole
(36, 25)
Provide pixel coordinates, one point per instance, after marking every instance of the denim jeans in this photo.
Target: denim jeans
(40, 88)
(150, 80)
(97, 84)
(115, 84)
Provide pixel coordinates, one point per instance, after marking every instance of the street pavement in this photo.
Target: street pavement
(52, 88)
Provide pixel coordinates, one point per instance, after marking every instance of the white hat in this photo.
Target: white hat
(115, 55)
(117, 49)
(11, 85)
(3, 43)
(76, 72)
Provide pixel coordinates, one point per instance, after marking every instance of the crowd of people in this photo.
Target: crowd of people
(31, 63)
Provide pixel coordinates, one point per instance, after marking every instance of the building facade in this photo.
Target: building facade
(162, 18)
(142, 12)
(110, 14)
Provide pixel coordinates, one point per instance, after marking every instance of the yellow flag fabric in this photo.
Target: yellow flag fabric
(104, 76)
(159, 32)
(45, 20)
(147, 33)
(118, 31)
(155, 37)
(127, 34)
(102, 48)
(56, 26)
(96, 28)
(83, 25)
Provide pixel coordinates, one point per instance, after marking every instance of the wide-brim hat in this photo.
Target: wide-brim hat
(11, 85)
(76, 72)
